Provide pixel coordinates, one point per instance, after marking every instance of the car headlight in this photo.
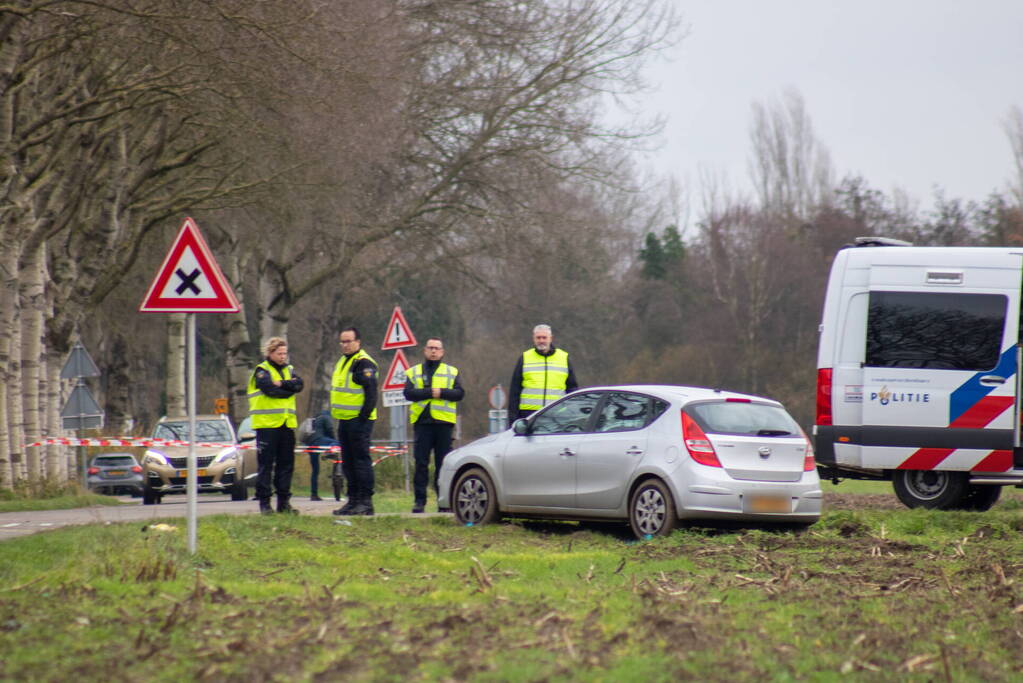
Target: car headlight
(226, 454)
(155, 457)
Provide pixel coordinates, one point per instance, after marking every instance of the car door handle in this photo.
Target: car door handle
(635, 451)
(567, 451)
(992, 380)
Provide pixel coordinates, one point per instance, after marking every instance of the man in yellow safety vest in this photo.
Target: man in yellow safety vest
(353, 401)
(542, 375)
(434, 389)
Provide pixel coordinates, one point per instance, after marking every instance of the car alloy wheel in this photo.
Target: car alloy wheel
(475, 501)
(652, 510)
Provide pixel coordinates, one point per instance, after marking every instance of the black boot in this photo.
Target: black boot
(283, 505)
(364, 506)
(349, 505)
(264, 507)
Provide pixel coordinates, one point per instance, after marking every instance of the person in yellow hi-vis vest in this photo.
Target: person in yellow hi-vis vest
(542, 375)
(271, 393)
(353, 402)
(434, 388)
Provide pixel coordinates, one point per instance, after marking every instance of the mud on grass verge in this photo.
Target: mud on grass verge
(879, 593)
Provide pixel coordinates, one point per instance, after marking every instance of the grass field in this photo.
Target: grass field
(874, 590)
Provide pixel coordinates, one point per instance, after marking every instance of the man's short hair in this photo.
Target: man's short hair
(543, 327)
(430, 339)
(272, 344)
(353, 330)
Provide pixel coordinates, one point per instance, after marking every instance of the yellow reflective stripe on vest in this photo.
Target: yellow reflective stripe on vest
(544, 378)
(347, 397)
(268, 412)
(440, 409)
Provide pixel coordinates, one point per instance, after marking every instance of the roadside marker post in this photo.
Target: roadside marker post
(190, 282)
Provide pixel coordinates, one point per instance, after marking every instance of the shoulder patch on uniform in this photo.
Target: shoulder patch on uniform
(262, 373)
(369, 372)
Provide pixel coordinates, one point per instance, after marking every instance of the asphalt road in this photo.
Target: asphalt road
(15, 524)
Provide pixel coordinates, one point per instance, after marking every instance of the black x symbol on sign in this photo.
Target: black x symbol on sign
(188, 281)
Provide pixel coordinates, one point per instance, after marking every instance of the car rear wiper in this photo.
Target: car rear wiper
(773, 432)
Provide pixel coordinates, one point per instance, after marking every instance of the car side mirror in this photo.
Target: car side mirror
(246, 436)
(521, 426)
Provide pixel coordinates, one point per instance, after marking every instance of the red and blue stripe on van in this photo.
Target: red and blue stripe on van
(971, 406)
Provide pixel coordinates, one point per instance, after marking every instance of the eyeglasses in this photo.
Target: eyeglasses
(434, 348)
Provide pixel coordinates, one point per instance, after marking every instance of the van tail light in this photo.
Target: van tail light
(136, 469)
(809, 465)
(823, 396)
(697, 443)
(93, 470)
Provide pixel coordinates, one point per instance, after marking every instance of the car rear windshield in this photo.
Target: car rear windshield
(204, 431)
(734, 417)
(113, 461)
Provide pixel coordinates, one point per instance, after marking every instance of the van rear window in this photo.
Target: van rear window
(942, 331)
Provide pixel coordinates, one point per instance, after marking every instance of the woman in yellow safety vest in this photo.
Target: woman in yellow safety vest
(271, 393)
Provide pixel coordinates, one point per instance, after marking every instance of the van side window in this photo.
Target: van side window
(935, 330)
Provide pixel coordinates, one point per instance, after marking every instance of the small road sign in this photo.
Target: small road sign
(498, 397)
(399, 334)
(189, 281)
(396, 375)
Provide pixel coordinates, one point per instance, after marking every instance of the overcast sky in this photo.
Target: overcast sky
(908, 93)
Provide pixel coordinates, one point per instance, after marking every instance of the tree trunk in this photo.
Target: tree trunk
(174, 386)
(239, 356)
(56, 456)
(33, 302)
(8, 304)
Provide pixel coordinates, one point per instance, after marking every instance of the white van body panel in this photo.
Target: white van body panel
(951, 411)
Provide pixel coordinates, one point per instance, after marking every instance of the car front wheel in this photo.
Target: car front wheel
(652, 510)
(474, 498)
(930, 488)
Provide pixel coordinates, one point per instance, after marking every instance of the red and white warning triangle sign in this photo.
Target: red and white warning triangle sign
(189, 281)
(396, 375)
(399, 334)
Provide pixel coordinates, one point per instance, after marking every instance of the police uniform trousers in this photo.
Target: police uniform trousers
(275, 453)
(355, 459)
(434, 436)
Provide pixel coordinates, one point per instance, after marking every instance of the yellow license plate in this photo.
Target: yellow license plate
(769, 504)
(116, 473)
(198, 473)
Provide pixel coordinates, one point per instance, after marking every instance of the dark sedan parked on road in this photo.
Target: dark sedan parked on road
(115, 473)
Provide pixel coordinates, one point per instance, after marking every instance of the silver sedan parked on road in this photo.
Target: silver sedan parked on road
(651, 455)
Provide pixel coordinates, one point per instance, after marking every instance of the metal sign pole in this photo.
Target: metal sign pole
(403, 416)
(192, 483)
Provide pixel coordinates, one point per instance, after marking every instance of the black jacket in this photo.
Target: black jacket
(411, 393)
(364, 373)
(289, 387)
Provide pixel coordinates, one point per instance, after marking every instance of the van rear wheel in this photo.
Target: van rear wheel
(980, 497)
(931, 488)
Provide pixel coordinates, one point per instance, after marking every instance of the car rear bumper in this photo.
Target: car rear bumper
(710, 493)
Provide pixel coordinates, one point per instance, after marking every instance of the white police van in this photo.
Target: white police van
(917, 376)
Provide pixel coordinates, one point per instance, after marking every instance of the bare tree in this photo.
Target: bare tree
(791, 170)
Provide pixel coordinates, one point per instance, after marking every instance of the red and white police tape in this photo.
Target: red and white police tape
(139, 442)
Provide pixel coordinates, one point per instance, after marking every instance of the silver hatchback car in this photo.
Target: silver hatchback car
(652, 455)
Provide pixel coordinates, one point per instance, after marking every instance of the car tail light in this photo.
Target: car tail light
(809, 465)
(136, 469)
(93, 470)
(697, 443)
(824, 396)
(737, 400)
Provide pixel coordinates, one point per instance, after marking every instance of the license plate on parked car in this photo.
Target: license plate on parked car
(198, 473)
(115, 473)
(769, 504)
